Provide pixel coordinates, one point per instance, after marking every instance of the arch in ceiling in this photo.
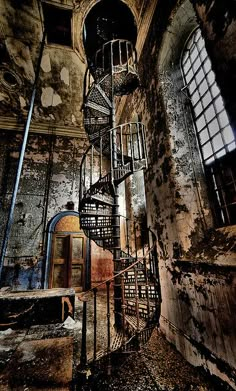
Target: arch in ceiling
(80, 14)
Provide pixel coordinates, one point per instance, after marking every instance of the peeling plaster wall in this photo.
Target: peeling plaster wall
(197, 305)
(60, 88)
(50, 178)
(201, 320)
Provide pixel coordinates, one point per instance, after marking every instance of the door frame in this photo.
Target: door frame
(69, 236)
(48, 256)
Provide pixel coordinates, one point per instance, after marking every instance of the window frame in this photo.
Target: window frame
(210, 163)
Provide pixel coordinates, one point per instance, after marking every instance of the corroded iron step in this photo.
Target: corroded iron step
(117, 341)
(132, 320)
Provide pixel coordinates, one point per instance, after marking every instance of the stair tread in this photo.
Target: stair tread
(96, 198)
(116, 343)
(150, 283)
(97, 214)
(132, 320)
(141, 301)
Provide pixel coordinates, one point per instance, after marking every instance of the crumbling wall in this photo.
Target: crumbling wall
(199, 314)
(197, 303)
(50, 176)
(60, 86)
(50, 179)
(49, 184)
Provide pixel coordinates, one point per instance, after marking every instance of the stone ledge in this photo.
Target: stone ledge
(23, 309)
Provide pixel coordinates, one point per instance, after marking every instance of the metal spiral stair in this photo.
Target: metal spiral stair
(115, 153)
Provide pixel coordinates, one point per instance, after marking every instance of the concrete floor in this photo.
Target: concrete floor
(47, 357)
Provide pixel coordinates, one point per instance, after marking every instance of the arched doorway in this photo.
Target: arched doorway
(66, 252)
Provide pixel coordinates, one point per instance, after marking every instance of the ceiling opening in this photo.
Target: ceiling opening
(106, 21)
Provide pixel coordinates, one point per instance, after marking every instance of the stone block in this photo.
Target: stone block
(23, 309)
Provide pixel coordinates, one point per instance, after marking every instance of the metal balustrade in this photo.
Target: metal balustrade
(137, 320)
(116, 152)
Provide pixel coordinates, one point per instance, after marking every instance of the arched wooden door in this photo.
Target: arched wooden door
(68, 254)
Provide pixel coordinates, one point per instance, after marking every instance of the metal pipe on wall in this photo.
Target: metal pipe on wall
(21, 159)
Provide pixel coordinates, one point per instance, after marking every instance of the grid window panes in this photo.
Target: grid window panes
(215, 135)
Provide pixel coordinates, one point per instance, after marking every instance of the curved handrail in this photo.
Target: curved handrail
(114, 41)
(140, 259)
(130, 147)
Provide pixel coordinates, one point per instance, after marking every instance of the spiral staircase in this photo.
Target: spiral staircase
(115, 153)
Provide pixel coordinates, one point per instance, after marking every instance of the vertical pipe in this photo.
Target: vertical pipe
(81, 187)
(135, 242)
(101, 146)
(86, 286)
(121, 144)
(108, 318)
(95, 323)
(147, 287)
(136, 296)
(136, 280)
(123, 305)
(108, 329)
(21, 159)
(143, 143)
(84, 175)
(115, 212)
(140, 155)
(120, 54)
(83, 357)
(131, 147)
(111, 155)
(91, 167)
(127, 236)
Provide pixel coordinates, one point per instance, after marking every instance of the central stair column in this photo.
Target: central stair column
(116, 219)
(116, 259)
(116, 215)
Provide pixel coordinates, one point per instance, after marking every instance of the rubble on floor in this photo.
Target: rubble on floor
(158, 367)
(46, 358)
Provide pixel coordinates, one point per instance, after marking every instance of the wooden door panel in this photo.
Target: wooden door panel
(68, 257)
(77, 275)
(77, 260)
(77, 249)
(60, 259)
(58, 276)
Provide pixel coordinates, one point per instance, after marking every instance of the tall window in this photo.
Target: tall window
(215, 135)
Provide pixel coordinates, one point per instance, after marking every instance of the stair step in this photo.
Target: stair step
(100, 237)
(95, 214)
(104, 95)
(130, 283)
(95, 106)
(117, 341)
(101, 199)
(132, 320)
(142, 301)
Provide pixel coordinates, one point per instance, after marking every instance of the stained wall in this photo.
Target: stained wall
(196, 259)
